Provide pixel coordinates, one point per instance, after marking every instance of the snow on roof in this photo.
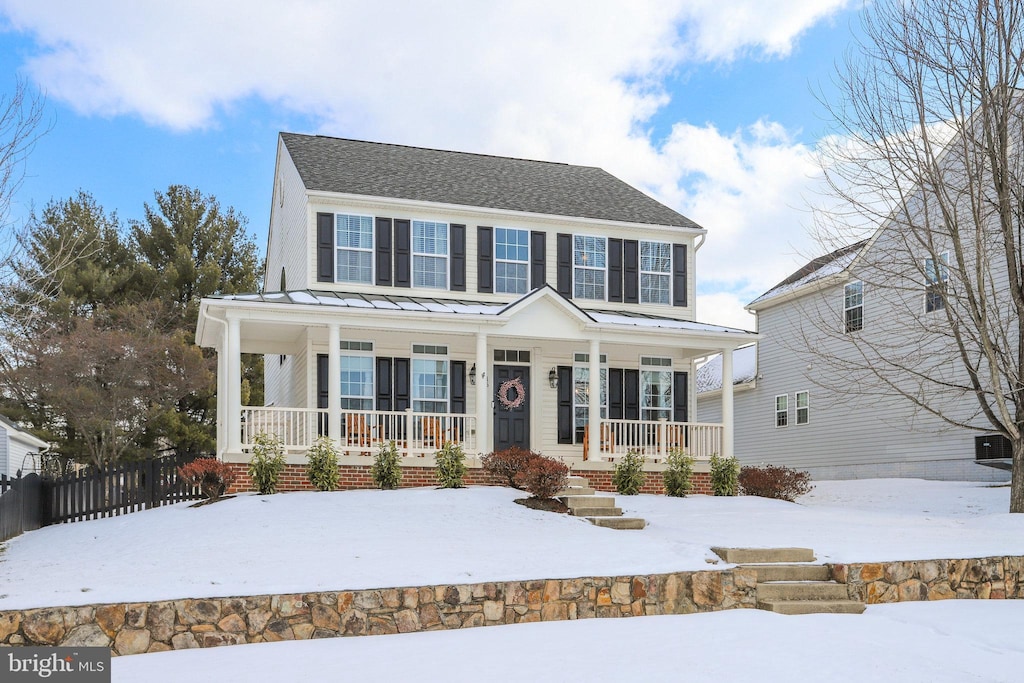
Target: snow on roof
(817, 269)
(744, 369)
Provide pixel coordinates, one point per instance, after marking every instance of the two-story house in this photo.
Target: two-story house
(425, 296)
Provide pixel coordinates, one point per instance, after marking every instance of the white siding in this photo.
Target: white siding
(289, 230)
(5, 466)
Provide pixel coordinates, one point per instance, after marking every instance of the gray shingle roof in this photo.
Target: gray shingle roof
(383, 170)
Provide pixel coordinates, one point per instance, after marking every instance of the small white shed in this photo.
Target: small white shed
(19, 450)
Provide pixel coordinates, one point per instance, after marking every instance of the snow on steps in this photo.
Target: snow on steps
(581, 500)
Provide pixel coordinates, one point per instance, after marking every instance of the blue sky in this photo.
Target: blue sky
(706, 105)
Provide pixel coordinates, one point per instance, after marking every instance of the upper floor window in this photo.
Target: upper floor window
(590, 267)
(655, 272)
(430, 254)
(511, 260)
(935, 277)
(853, 306)
(803, 407)
(782, 410)
(354, 243)
(655, 388)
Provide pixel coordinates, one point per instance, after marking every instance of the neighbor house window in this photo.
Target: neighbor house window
(655, 272)
(581, 390)
(430, 254)
(511, 258)
(590, 263)
(803, 407)
(655, 388)
(354, 244)
(782, 410)
(853, 306)
(935, 276)
(430, 379)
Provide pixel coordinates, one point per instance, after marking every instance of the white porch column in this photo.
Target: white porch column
(483, 396)
(233, 353)
(222, 394)
(334, 382)
(727, 421)
(594, 403)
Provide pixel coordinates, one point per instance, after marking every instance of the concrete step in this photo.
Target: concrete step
(588, 501)
(790, 572)
(763, 555)
(575, 491)
(618, 522)
(596, 512)
(812, 606)
(574, 480)
(801, 590)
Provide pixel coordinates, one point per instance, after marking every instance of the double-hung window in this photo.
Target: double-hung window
(429, 378)
(354, 244)
(853, 306)
(803, 407)
(511, 260)
(356, 376)
(581, 389)
(655, 388)
(590, 265)
(655, 272)
(430, 254)
(935, 276)
(782, 410)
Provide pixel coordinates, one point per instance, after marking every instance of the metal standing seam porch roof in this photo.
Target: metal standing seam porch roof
(378, 169)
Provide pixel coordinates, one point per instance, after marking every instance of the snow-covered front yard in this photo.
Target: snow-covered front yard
(300, 542)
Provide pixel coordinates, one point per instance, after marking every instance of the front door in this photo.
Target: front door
(511, 406)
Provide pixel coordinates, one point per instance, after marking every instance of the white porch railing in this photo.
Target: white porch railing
(657, 439)
(362, 431)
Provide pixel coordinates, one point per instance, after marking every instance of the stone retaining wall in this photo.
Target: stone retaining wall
(985, 578)
(134, 628)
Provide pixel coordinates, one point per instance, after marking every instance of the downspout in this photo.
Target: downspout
(698, 245)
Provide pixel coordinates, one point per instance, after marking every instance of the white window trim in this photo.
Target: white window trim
(650, 367)
(667, 274)
(777, 412)
(373, 244)
(797, 408)
(943, 277)
(846, 308)
(494, 248)
(581, 359)
(415, 356)
(603, 269)
(373, 374)
(447, 254)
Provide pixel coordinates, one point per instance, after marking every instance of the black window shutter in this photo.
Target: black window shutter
(484, 259)
(565, 411)
(403, 383)
(325, 247)
(678, 274)
(538, 259)
(680, 387)
(458, 386)
(631, 394)
(565, 266)
(384, 251)
(322, 371)
(403, 253)
(384, 396)
(631, 272)
(457, 237)
(615, 395)
(614, 269)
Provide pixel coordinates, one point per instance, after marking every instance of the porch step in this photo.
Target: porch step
(595, 512)
(590, 501)
(812, 606)
(764, 555)
(575, 491)
(618, 522)
(799, 591)
(790, 572)
(574, 480)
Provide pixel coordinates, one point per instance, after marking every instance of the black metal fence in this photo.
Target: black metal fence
(31, 502)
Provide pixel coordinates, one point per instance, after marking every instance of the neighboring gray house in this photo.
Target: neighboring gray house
(19, 450)
(782, 417)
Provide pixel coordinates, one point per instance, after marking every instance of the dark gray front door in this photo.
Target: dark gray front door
(511, 406)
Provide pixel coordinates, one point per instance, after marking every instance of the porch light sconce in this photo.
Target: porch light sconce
(553, 378)
(472, 375)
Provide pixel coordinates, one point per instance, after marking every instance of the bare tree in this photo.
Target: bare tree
(928, 150)
(21, 114)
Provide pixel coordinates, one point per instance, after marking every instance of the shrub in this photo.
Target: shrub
(724, 476)
(386, 469)
(504, 465)
(543, 477)
(267, 462)
(451, 466)
(770, 481)
(628, 477)
(212, 476)
(322, 464)
(678, 476)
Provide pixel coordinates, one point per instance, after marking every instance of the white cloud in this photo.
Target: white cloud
(724, 308)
